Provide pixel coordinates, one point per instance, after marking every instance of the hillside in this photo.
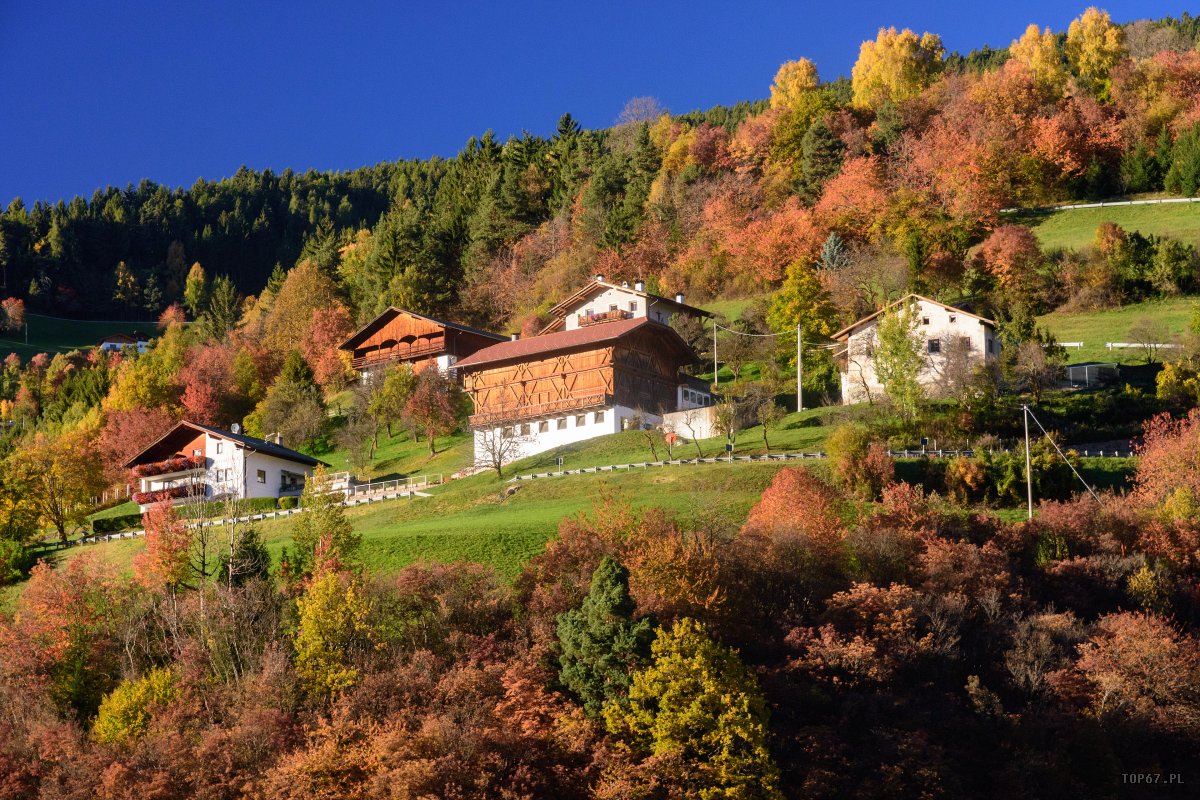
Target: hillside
(1076, 228)
(58, 335)
(1095, 328)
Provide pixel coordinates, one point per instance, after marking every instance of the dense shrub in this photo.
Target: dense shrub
(123, 522)
(860, 463)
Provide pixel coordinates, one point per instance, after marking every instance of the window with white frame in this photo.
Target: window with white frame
(261, 476)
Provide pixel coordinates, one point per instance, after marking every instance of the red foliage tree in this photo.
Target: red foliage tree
(209, 390)
(432, 409)
(126, 433)
(329, 327)
(1011, 255)
(166, 561)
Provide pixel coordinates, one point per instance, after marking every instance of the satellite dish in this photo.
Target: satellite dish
(236, 428)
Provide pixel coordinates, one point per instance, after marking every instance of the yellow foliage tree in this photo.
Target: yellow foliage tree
(125, 712)
(62, 476)
(1038, 52)
(1094, 46)
(305, 289)
(333, 627)
(793, 81)
(148, 380)
(896, 66)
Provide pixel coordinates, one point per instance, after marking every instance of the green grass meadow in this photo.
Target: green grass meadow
(1094, 328)
(1076, 228)
(54, 335)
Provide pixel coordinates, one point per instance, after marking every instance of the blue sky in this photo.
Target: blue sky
(93, 94)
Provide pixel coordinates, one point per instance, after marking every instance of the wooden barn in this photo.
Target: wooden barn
(398, 335)
(558, 388)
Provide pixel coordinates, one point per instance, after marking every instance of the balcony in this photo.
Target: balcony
(175, 464)
(583, 320)
(377, 358)
(172, 493)
(546, 409)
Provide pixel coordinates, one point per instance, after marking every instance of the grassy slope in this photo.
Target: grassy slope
(53, 335)
(1077, 228)
(1094, 328)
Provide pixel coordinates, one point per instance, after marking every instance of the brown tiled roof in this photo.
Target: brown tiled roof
(532, 346)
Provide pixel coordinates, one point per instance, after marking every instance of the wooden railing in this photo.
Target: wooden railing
(604, 316)
(377, 357)
(549, 408)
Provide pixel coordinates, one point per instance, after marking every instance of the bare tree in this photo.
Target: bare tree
(768, 413)
(1035, 370)
(957, 367)
(691, 419)
(650, 433)
(729, 420)
(641, 109)
(1150, 333)
(495, 447)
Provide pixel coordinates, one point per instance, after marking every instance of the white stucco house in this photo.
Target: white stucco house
(603, 301)
(194, 460)
(951, 339)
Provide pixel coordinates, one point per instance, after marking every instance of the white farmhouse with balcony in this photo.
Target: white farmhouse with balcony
(194, 460)
(602, 301)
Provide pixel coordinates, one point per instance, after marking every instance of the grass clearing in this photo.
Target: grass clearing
(1076, 228)
(1094, 328)
(55, 335)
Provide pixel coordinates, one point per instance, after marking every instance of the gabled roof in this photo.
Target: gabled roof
(388, 314)
(125, 338)
(256, 445)
(593, 287)
(540, 346)
(846, 331)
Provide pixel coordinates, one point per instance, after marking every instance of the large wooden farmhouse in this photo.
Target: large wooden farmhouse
(398, 335)
(194, 460)
(601, 301)
(567, 386)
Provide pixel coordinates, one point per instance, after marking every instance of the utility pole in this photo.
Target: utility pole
(716, 377)
(1028, 469)
(799, 368)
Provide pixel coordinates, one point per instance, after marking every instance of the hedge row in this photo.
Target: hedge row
(125, 522)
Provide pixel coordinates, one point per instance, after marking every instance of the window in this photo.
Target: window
(196, 452)
(580, 420)
(524, 428)
(598, 417)
(262, 476)
(219, 445)
(562, 423)
(612, 307)
(507, 432)
(991, 345)
(952, 317)
(633, 306)
(935, 345)
(544, 426)
(924, 320)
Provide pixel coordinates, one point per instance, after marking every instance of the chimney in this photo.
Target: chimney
(679, 298)
(624, 284)
(516, 336)
(639, 286)
(599, 278)
(277, 438)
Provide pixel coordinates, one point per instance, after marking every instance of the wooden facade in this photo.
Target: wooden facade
(397, 336)
(631, 363)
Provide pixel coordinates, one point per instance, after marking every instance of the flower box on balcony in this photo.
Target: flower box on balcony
(170, 493)
(172, 464)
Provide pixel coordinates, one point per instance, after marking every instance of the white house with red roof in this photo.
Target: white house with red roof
(193, 460)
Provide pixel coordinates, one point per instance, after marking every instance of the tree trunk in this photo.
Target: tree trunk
(432, 444)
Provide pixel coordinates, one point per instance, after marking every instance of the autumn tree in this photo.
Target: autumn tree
(768, 414)
(323, 521)
(333, 629)
(293, 407)
(1038, 52)
(195, 290)
(127, 433)
(289, 320)
(699, 703)
(166, 562)
(390, 393)
(1095, 44)
(434, 407)
(896, 66)
(899, 358)
(12, 314)
(1011, 256)
(64, 474)
(126, 711)
(328, 328)
(600, 642)
(794, 81)
(860, 462)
